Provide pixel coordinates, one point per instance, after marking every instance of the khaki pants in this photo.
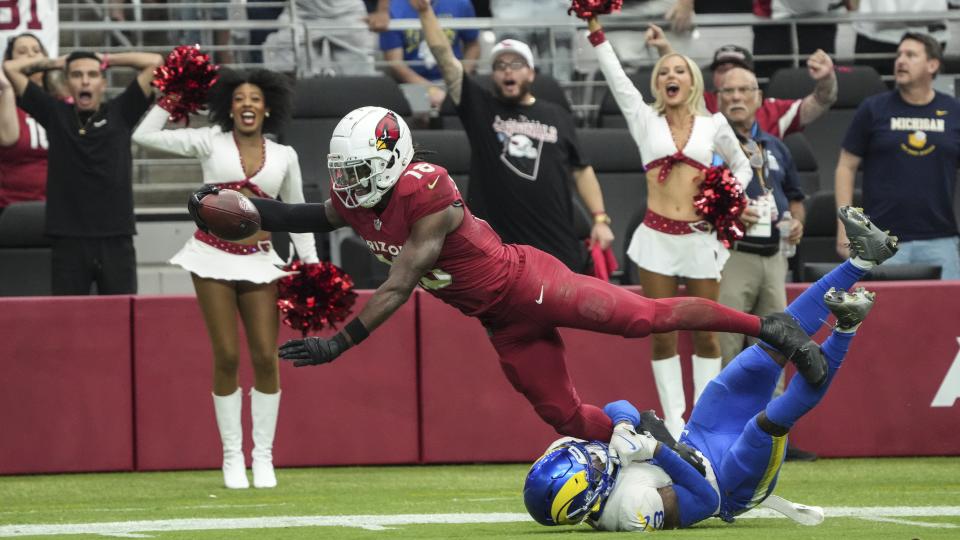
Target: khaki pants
(754, 284)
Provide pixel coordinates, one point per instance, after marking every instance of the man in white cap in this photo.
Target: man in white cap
(523, 152)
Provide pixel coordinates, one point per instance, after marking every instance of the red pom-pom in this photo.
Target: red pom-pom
(320, 295)
(720, 201)
(586, 9)
(185, 79)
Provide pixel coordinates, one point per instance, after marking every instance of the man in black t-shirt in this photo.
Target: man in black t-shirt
(523, 152)
(89, 174)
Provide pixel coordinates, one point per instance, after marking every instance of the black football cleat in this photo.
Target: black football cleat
(850, 308)
(783, 333)
(867, 241)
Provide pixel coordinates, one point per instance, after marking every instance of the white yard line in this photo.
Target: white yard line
(912, 523)
(134, 529)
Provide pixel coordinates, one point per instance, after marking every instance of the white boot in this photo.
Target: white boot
(264, 408)
(704, 370)
(228, 410)
(669, 378)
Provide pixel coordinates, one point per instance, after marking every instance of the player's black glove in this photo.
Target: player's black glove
(653, 424)
(193, 204)
(312, 351)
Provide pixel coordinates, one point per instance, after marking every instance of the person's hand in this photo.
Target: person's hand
(312, 351)
(681, 16)
(436, 95)
(819, 65)
(628, 445)
(601, 235)
(193, 204)
(750, 216)
(796, 231)
(653, 424)
(655, 37)
(378, 21)
(420, 5)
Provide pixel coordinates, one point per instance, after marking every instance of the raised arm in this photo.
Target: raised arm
(9, 124)
(824, 95)
(143, 61)
(189, 142)
(450, 67)
(18, 71)
(844, 177)
(624, 92)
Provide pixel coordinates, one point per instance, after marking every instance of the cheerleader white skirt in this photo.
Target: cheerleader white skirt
(206, 261)
(697, 255)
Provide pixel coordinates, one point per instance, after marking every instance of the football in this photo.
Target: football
(229, 214)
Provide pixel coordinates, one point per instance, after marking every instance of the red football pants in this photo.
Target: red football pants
(547, 296)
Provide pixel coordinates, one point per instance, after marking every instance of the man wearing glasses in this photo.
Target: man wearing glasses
(777, 117)
(754, 278)
(523, 152)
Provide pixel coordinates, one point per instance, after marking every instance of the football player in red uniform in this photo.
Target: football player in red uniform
(412, 216)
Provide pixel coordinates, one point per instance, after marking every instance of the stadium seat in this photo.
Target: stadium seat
(610, 115)
(893, 272)
(544, 87)
(448, 148)
(619, 169)
(24, 251)
(819, 243)
(805, 161)
(320, 103)
(825, 135)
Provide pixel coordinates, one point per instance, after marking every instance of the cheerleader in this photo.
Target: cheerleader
(232, 277)
(677, 140)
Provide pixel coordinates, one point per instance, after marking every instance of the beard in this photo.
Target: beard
(524, 87)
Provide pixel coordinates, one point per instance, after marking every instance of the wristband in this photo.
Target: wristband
(601, 217)
(356, 330)
(105, 61)
(596, 37)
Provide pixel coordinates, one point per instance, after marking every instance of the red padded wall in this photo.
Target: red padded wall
(360, 409)
(65, 394)
(472, 413)
(880, 402)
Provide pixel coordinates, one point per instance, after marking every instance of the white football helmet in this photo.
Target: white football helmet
(369, 149)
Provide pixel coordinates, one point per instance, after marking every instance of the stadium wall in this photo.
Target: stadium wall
(123, 383)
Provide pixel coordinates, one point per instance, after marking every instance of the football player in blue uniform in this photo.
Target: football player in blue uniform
(736, 433)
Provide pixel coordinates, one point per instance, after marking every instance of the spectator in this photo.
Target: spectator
(89, 191)
(339, 52)
(556, 58)
(228, 278)
(409, 54)
(754, 278)
(23, 141)
(221, 37)
(778, 117)
(523, 152)
(677, 141)
(906, 141)
(630, 46)
(777, 38)
(884, 36)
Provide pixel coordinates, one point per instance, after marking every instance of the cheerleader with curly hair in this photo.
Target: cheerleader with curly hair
(232, 277)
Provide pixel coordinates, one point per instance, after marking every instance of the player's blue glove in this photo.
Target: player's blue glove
(193, 204)
(311, 351)
(622, 411)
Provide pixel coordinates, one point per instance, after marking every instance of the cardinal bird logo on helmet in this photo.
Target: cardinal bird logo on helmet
(388, 132)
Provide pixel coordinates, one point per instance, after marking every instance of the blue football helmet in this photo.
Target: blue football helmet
(569, 482)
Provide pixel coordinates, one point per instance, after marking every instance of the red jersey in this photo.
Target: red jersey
(23, 166)
(474, 267)
(778, 117)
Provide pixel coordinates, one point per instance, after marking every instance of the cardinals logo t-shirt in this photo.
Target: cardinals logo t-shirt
(521, 163)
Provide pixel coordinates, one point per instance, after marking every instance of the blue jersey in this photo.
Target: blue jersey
(411, 41)
(910, 159)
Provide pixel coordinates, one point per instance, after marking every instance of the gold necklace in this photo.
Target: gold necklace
(85, 125)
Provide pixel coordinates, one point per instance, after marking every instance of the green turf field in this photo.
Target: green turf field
(469, 501)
